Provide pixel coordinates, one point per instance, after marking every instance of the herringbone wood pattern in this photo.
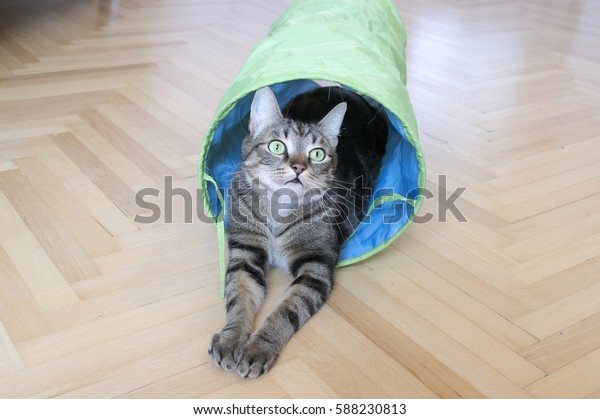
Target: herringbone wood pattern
(100, 100)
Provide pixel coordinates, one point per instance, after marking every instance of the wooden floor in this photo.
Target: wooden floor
(100, 100)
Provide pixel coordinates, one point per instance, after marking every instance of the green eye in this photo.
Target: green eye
(277, 147)
(318, 154)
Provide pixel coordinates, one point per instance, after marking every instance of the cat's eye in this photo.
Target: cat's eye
(277, 147)
(317, 154)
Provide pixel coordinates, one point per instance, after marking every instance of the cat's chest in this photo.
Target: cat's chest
(278, 259)
(279, 245)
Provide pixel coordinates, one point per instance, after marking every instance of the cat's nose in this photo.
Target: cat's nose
(298, 168)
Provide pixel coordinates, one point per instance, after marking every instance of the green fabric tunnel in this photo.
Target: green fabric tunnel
(358, 44)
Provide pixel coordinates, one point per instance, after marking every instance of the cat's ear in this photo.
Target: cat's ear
(331, 124)
(264, 110)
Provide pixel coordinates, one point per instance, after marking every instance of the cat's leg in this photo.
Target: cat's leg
(313, 282)
(245, 290)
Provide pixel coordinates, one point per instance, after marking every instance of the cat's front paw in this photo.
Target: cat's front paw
(226, 348)
(257, 357)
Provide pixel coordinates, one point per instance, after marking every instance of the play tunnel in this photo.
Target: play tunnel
(359, 45)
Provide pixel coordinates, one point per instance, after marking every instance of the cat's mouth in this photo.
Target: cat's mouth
(294, 181)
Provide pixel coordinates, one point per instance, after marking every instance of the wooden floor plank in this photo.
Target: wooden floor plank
(22, 316)
(562, 314)
(92, 236)
(584, 371)
(350, 372)
(60, 245)
(300, 382)
(461, 360)
(437, 312)
(566, 346)
(47, 285)
(10, 361)
(84, 191)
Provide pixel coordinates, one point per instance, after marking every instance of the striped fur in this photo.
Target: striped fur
(290, 211)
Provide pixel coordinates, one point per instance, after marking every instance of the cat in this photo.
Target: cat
(302, 188)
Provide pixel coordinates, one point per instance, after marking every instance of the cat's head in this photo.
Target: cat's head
(285, 153)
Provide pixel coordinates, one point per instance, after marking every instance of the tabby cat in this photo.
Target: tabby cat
(302, 188)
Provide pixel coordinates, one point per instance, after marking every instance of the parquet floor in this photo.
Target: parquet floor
(101, 99)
